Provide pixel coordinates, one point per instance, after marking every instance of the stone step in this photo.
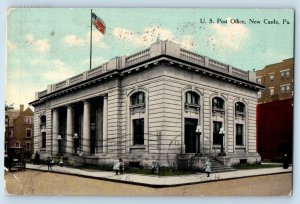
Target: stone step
(217, 166)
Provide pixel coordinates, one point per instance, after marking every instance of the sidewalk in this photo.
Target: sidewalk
(157, 181)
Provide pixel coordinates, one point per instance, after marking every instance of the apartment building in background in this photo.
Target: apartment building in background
(275, 110)
(278, 81)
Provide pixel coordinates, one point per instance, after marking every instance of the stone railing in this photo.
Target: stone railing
(95, 72)
(60, 85)
(76, 79)
(191, 56)
(42, 93)
(218, 66)
(137, 57)
(239, 73)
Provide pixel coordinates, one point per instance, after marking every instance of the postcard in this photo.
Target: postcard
(149, 102)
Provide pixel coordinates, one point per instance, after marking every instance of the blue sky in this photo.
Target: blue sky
(46, 46)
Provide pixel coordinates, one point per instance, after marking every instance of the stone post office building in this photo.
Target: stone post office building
(146, 107)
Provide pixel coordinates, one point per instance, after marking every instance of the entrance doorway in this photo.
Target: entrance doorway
(190, 135)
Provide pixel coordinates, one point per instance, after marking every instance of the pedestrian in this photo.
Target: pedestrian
(37, 158)
(122, 166)
(61, 162)
(285, 161)
(49, 163)
(207, 167)
(117, 167)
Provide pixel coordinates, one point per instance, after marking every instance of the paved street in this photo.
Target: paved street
(32, 182)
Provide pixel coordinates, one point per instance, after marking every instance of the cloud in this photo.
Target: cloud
(150, 35)
(10, 45)
(55, 70)
(17, 95)
(59, 71)
(39, 45)
(229, 36)
(187, 42)
(18, 74)
(73, 40)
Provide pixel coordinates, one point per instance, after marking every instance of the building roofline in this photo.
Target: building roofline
(162, 50)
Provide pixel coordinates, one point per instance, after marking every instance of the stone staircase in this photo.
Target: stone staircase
(217, 166)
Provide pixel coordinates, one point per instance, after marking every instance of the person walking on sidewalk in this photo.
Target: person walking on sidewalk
(117, 167)
(285, 161)
(49, 163)
(207, 167)
(122, 166)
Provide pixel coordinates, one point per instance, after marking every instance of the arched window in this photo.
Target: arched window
(138, 98)
(217, 103)
(239, 107)
(192, 98)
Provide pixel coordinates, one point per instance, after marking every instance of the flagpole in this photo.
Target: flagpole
(91, 43)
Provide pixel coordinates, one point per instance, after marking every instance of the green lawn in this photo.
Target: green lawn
(256, 166)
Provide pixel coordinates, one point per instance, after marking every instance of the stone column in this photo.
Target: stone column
(55, 129)
(86, 128)
(70, 143)
(105, 124)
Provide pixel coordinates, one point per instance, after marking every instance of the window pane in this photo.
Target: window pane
(282, 89)
(218, 103)
(287, 73)
(138, 131)
(239, 134)
(189, 97)
(43, 140)
(28, 133)
(259, 94)
(137, 98)
(288, 89)
(272, 92)
(217, 138)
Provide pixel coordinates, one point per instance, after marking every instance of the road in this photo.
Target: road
(48, 183)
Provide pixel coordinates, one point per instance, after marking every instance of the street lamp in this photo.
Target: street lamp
(198, 133)
(59, 139)
(75, 137)
(222, 133)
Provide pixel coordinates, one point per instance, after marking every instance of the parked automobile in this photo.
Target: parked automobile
(14, 159)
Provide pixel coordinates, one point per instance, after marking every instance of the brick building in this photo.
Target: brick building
(278, 81)
(19, 129)
(147, 107)
(275, 110)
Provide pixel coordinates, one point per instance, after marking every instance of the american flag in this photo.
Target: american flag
(98, 23)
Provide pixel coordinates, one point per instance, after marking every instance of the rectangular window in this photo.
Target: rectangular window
(28, 146)
(259, 94)
(271, 91)
(239, 134)
(17, 144)
(287, 88)
(287, 74)
(27, 120)
(258, 80)
(282, 89)
(138, 131)
(43, 139)
(282, 74)
(28, 133)
(217, 138)
(271, 77)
